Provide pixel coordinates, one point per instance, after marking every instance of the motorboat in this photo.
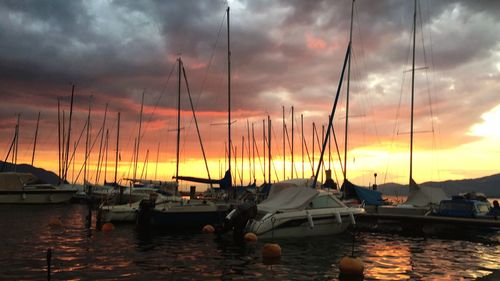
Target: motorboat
(297, 210)
(128, 212)
(185, 214)
(25, 188)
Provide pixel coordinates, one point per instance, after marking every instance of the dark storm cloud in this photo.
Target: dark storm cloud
(283, 53)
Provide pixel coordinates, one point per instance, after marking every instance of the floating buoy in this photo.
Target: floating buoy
(351, 266)
(208, 229)
(107, 227)
(55, 222)
(271, 251)
(250, 237)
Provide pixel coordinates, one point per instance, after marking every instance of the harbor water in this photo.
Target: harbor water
(125, 253)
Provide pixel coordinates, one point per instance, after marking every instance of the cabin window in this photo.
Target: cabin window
(321, 202)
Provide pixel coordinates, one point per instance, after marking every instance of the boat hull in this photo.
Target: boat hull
(36, 196)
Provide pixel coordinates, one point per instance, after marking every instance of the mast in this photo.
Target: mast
(138, 137)
(264, 146)
(302, 133)
(87, 143)
(269, 145)
(59, 139)
(293, 166)
(228, 93)
(253, 152)
(99, 159)
(313, 134)
(284, 150)
(249, 154)
(117, 144)
(106, 146)
(157, 156)
(412, 91)
(347, 93)
(242, 158)
(178, 122)
(66, 163)
(16, 146)
(36, 135)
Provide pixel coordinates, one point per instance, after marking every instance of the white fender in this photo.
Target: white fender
(23, 196)
(351, 215)
(338, 218)
(310, 219)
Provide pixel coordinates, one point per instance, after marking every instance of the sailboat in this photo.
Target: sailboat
(420, 200)
(300, 209)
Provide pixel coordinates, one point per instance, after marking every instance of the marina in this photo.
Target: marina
(244, 140)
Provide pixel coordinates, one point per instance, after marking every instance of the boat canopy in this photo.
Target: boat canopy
(368, 196)
(15, 181)
(424, 196)
(289, 199)
(282, 185)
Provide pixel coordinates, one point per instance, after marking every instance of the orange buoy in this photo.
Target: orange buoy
(351, 266)
(271, 250)
(55, 222)
(208, 229)
(250, 237)
(107, 227)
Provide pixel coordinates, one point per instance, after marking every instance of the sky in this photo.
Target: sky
(283, 54)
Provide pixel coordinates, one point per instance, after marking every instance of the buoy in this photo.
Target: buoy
(208, 229)
(107, 227)
(351, 266)
(271, 251)
(55, 222)
(250, 237)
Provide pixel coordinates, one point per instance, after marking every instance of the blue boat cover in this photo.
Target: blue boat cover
(369, 196)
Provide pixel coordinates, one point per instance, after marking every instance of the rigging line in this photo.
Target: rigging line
(260, 160)
(290, 147)
(158, 101)
(276, 149)
(210, 61)
(88, 154)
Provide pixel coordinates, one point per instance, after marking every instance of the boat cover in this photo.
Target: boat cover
(368, 196)
(289, 199)
(424, 196)
(15, 181)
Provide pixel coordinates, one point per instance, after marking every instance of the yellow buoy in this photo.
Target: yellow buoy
(55, 222)
(351, 266)
(208, 229)
(107, 227)
(250, 237)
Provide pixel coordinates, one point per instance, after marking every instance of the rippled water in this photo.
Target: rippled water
(127, 254)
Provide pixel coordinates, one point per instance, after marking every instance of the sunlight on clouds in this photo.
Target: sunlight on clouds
(490, 127)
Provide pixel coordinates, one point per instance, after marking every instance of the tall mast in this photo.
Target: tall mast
(228, 93)
(302, 133)
(249, 154)
(253, 152)
(17, 142)
(117, 144)
(178, 122)
(284, 150)
(138, 137)
(293, 167)
(87, 143)
(269, 145)
(59, 139)
(264, 146)
(347, 93)
(36, 135)
(313, 134)
(66, 165)
(106, 148)
(412, 91)
(242, 158)
(157, 156)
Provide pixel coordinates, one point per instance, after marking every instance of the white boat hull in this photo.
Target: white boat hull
(300, 227)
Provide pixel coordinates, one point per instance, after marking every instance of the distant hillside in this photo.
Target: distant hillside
(42, 174)
(489, 185)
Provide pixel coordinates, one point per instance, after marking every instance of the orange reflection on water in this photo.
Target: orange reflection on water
(388, 261)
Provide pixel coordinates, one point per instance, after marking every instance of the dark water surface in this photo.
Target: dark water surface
(126, 254)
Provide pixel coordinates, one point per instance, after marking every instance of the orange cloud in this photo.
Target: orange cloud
(315, 43)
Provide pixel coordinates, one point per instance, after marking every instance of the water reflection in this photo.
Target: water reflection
(129, 254)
